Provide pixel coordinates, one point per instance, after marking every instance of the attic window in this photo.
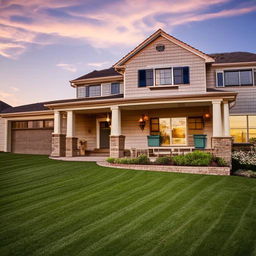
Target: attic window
(160, 47)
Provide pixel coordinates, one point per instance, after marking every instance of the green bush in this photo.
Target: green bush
(196, 158)
(220, 161)
(111, 160)
(142, 159)
(163, 160)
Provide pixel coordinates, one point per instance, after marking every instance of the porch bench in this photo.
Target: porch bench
(169, 150)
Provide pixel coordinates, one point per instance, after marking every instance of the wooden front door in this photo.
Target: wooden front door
(104, 135)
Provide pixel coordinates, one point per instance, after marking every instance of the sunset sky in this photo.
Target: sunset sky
(46, 43)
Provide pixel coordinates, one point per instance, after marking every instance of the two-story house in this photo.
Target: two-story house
(163, 87)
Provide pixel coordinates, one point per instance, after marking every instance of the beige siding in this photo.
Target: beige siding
(85, 129)
(246, 98)
(2, 134)
(106, 89)
(136, 138)
(172, 56)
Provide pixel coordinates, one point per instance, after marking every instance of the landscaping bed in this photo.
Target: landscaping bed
(197, 162)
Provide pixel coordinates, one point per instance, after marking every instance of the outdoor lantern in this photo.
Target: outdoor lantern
(207, 116)
(142, 121)
(108, 120)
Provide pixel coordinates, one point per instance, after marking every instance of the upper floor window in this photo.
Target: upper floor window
(94, 91)
(115, 88)
(235, 77)
(81, 93)
(163, 76)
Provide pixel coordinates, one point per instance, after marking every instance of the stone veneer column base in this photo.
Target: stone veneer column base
(117, 146)
(71, 146)
(222, 147)
(58, 144)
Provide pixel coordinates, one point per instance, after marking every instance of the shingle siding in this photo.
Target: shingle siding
(173, 55)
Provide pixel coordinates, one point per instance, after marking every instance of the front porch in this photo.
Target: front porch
(123, 130)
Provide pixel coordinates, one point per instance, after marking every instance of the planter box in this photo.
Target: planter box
(200, 141)
(154, 140)
(210, 170)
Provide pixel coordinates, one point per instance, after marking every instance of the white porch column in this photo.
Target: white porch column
(57, 122)
(116, 121)
(226, 119)
(70, 124)
(216, 118)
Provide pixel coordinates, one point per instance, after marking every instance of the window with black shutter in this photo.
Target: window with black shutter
(145, 77)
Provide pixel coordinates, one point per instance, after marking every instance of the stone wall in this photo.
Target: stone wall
(71, 147)
(58, 144)
(222, 147)
(171, 168)
(117, 146)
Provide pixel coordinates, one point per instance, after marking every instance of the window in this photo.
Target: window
(81, 92)
(173, 131)
(163, 76)
(243, 128)
(33, 124)
(145, 77)
(181, 75)
(115, 88)
(235, 77)
(94, 90)
(195, 123)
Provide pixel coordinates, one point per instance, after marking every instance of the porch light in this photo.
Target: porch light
(207, 116)
(108, 120)
(142, 121)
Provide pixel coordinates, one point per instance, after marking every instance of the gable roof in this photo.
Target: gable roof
(4, 105)
(99, 73)
(174, 40)
(233, 57)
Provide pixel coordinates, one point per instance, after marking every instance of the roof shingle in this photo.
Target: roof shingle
(233, 57)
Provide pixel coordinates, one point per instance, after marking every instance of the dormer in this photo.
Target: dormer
(99, 83)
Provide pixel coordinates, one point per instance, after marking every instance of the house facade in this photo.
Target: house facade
(163, 87)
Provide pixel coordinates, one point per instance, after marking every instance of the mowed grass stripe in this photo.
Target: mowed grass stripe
(72, 208)
(94, 231)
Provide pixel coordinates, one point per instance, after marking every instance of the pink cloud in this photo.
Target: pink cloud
(101, 26)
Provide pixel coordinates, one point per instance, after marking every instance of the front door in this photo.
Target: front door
(104, 134)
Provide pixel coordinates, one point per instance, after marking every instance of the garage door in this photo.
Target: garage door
(31, 141)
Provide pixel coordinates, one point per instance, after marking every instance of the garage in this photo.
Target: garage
(32, 137)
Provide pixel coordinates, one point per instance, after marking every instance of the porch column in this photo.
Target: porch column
(221, 141)
(216, 118)
(117, 140)
(226, 119)
(58, 139)
(71, 141)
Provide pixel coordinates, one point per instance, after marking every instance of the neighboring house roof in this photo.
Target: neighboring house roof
(174, 40)
(233, 57)
(40, 106)
(99, 73)
(4, 105)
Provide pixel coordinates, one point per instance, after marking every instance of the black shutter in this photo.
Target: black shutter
(220, 82)
(86, 91)
(145, 77)
(142, 78)
(186, 75)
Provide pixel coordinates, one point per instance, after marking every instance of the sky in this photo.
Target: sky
(46, 43)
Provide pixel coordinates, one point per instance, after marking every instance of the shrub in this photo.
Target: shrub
(244, 160)
(142, 159)
(220, 161)
(196, 158)
(163, 160)
(111, 160)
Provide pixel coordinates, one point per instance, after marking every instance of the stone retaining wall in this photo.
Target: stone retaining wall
(171, 168)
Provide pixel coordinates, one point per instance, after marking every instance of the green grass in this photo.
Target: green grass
(52, 207)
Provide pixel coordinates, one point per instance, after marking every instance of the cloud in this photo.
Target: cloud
(15, 89)
(10, 98)
(98, 64)
(67, 67)
(101, 24)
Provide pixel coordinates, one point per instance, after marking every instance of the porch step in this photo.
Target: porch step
(98, 152)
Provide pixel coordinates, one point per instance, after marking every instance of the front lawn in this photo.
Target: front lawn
(50, 207)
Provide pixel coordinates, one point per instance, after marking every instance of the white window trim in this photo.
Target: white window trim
(164, 66)
(253, 68)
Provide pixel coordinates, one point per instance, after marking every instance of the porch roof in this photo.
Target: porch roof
(124, 102)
